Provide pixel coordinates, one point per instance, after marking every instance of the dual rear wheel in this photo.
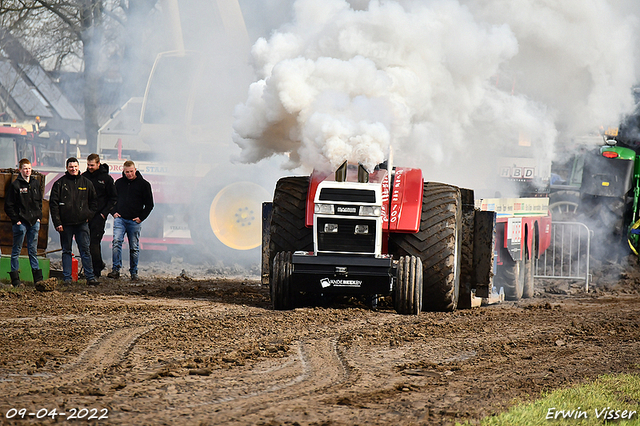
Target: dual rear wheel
(283, 295)
(407, 293)
(516, 276)
(437, 244)
(529, 269)
(510, 276)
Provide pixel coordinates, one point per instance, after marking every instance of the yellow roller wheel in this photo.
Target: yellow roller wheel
(235, 215)
(633, 237)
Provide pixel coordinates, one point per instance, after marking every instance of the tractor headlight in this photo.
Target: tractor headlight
(330, 227)
(369, 211)
(361, 229)
(323, 209)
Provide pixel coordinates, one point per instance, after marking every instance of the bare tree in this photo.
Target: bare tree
(66, 30)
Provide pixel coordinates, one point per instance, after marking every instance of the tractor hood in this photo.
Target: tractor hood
(401, 205)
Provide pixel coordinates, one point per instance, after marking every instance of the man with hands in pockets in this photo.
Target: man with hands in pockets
(23, 205)
(135, 202)
(98, 174)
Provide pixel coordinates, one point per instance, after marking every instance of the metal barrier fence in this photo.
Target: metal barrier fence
(568, 255)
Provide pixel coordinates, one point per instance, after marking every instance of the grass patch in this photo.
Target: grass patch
(606, 400)
(5, 285)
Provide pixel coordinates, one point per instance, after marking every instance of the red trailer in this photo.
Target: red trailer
(523, 233)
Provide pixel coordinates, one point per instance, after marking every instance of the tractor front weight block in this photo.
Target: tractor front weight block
(329, 274)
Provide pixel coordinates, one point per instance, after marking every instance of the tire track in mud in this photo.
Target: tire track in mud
(317, 364)
(107, 350)
(79, 374)
(316, 367)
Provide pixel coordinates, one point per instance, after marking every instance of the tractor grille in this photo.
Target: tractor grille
(346, 240)
(352, 195)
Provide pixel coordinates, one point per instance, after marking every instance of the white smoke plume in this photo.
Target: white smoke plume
(447, 84)
(578, 57)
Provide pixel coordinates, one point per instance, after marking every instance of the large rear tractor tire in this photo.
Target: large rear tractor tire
(529, 269)
(235, 215)
(564, 211)
(563, 205)
(283, 295)
(288, 229)
(226, 221)
(288, 232)
(608, 218)
(467, 268)
(572, 196)
(437, 244)
(408, 290)
(510, 276)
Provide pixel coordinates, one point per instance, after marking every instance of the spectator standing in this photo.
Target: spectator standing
(98, 174)
(23, 205)
(73, 203)
(135, 202)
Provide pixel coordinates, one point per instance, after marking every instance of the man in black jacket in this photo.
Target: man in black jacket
(72, 204)
(135, 202)
(23, 205)
(98, 174)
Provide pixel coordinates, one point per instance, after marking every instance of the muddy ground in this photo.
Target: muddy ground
(195, 348)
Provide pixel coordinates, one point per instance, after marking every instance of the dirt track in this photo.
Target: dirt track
(211, 351)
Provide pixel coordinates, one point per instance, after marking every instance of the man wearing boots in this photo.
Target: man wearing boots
(72, 204)
(23, 205)
(135, 202)
(98, 174)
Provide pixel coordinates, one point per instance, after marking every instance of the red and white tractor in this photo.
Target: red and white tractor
(376, 234)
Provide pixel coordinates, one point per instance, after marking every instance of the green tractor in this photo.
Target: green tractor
(609, 194)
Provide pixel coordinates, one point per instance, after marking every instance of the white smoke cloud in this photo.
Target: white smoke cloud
(447, 84)
(577, 56)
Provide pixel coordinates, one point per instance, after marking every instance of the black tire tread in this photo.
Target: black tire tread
(565, 195)
(282, 295)
(608, 217)
(408, 290)
(288, 229)
(528, 286)
(510, 276)
(435, 244)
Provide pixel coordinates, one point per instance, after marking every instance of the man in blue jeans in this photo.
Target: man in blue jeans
(72, 204)
(23, 205)
(135, 202)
